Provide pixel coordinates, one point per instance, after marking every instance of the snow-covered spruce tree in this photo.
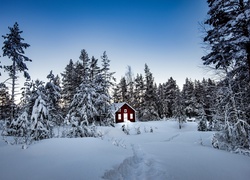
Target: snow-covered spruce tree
(20, 126)
(82, 112)
(229, 50)
(116, 94)
(53, 92)
(202, 120)
(20, 129)
(178, 111)
(160, 101)
(189, 100)
(94, 69)
(102, 103)
(129, 75)
(172, 91)
(69, 85)
(149, 108)
(104, 90)
(228, 37)
(123, 90)
(168, 96)
(5, 103)
(210, 88)
(32, 122)
(13, 48)
(199, 93)
(84, 71)
(139, 94)
(40, 127)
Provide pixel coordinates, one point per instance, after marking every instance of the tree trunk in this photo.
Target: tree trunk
(248, 58)
(13, 91)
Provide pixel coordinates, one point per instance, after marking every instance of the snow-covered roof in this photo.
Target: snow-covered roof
(116, 106)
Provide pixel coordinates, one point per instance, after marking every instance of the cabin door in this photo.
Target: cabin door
(125, 117)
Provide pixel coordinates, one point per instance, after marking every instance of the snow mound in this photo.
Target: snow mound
(139, 166)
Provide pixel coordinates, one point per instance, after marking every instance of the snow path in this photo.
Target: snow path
(171, 138)
(139, 166)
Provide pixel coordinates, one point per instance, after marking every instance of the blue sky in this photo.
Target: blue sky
(162, 33)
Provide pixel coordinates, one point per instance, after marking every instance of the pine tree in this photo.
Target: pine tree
(32, 122)
(94, 68)
(190, 104)
(199, 93)
(19, 127)
(124, 90)
(5, 103)
(116, 97)
(130, 83)
(169, 96)
(178, 111)
(209, 100)
(14, 49)
(161, 99)
(53, 92)
(84, 71)
(105, 87)
(149, 111)
(69, 86)
(139, 94)
(40, 127)
(229, 21)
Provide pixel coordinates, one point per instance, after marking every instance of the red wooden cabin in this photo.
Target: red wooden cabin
(123, 112)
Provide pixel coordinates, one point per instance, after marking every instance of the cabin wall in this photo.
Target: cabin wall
(125, 112)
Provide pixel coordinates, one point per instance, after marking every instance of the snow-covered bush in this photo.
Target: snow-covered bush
(20, 126)
(233, 138)
(138, 130)
(125, 130)
(202, 125)
(79, 129)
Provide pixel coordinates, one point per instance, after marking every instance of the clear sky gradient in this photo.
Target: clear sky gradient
(162, 33)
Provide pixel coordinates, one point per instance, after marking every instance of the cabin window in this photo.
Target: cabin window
(125, 110)
(131, 116)
(119, 116)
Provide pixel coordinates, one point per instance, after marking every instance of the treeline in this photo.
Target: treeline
(196, 99)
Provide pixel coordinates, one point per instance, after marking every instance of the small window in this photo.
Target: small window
(119, 116)
(125, 110)
(131, 116)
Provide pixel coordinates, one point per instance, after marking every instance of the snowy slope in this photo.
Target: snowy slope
(167, 153)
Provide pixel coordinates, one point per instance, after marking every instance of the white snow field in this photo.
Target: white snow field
(165, 153)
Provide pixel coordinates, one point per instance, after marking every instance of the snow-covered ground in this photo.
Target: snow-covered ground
(166, 153)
